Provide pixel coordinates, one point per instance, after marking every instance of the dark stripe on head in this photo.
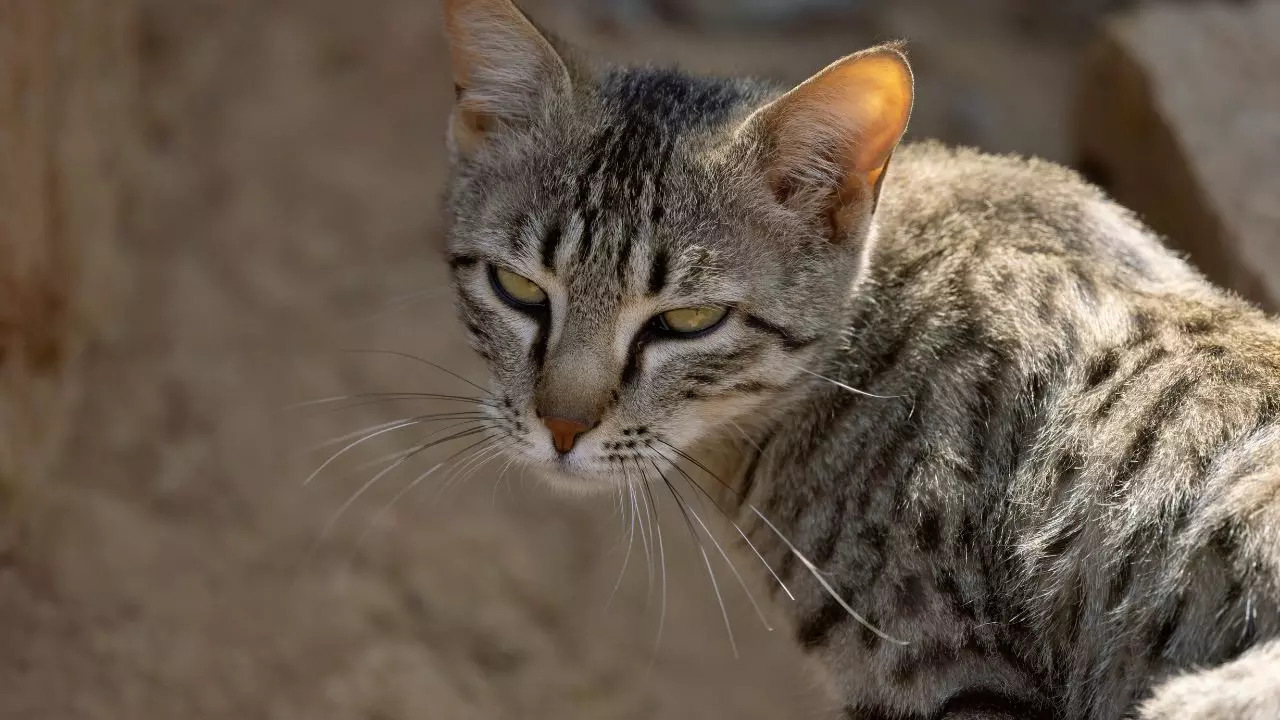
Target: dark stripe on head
(623, 263)
(789, 341)
(657, 212)
(550, 242)
(658, 273)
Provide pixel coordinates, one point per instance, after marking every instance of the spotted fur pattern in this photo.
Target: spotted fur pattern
(1043, 455)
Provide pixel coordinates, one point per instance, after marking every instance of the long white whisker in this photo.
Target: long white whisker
(732, 522)
(645, 535)
(631, 537)
(496, 483)
(490, 453)
(662, 563)
(745, 436)
(475, 450)
(355, 434)
(475, 462)
(813, 570)
(401, 453)
(385, 397)
(850, 388)
(424, 361)
(374, 480)
(702, 550)
(373, 521)
(352, 445)
(732, 566)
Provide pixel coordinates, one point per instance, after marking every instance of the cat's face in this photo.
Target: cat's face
(631, 255)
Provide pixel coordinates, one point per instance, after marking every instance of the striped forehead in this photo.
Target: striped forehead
(604, 255)
(605, 241)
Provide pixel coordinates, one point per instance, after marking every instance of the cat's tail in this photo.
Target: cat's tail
(1248, 688)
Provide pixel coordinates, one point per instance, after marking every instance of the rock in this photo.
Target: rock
(723, 15)
(66, 89)
(1178, 116)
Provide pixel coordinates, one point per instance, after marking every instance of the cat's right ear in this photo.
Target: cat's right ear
(504, 69)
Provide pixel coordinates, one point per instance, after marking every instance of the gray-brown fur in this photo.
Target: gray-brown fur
(1055, 469)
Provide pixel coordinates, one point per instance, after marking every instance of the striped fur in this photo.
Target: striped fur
(1058, 479)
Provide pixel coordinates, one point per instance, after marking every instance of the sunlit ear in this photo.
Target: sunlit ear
(504, 70)
(828, 141)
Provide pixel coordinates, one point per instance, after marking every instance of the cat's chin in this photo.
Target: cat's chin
(575, 481)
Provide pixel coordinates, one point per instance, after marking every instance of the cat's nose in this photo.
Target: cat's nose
(564, 431)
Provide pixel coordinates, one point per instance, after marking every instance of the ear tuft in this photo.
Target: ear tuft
(830, 139)
(504, 69)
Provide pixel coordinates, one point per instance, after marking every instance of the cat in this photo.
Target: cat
(1000, 453)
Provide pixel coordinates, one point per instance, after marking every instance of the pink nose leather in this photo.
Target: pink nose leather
(564, 431)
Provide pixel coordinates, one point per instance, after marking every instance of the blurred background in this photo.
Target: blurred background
(205, 204)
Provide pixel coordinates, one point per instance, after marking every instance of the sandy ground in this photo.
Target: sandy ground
(177, 567)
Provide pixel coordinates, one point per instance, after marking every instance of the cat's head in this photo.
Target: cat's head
(645, 258)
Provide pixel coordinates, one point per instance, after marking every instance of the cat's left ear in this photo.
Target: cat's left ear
(505, 71)
(826, 143)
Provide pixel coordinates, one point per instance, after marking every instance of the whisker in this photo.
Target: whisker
(496, 483)
(373, 521)
(457, 469)
(424, 361)
(850, 388)
(662, 563)
(488, 454)
(371, 398)
(732, 566)
(732, 522)
(645, 536)
(813, 570)
(401, 453)
(810, 566)
(374, 480)
(702, 467)
(745, 436)
(352, 445)
(379, 426)
(631, 537)
(702, 549)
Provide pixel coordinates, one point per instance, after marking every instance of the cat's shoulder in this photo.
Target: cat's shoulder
(966, 175)
(1024, 210)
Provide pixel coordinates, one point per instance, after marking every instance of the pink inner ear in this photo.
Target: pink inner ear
(840, 127)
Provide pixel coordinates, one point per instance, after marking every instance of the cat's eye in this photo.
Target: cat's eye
(692, 320)
(516, 289)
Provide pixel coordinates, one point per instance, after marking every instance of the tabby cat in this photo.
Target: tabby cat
(1000, 453)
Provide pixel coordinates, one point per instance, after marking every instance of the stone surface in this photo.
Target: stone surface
(66, 99)
(1179, 116)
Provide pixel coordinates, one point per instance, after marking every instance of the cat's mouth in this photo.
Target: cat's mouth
(624, 456)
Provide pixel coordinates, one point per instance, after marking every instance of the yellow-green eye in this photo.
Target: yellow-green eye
(692, 320)
(518, 289)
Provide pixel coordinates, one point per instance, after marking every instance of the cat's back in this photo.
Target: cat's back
(1012, 210)
(1127, 411)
